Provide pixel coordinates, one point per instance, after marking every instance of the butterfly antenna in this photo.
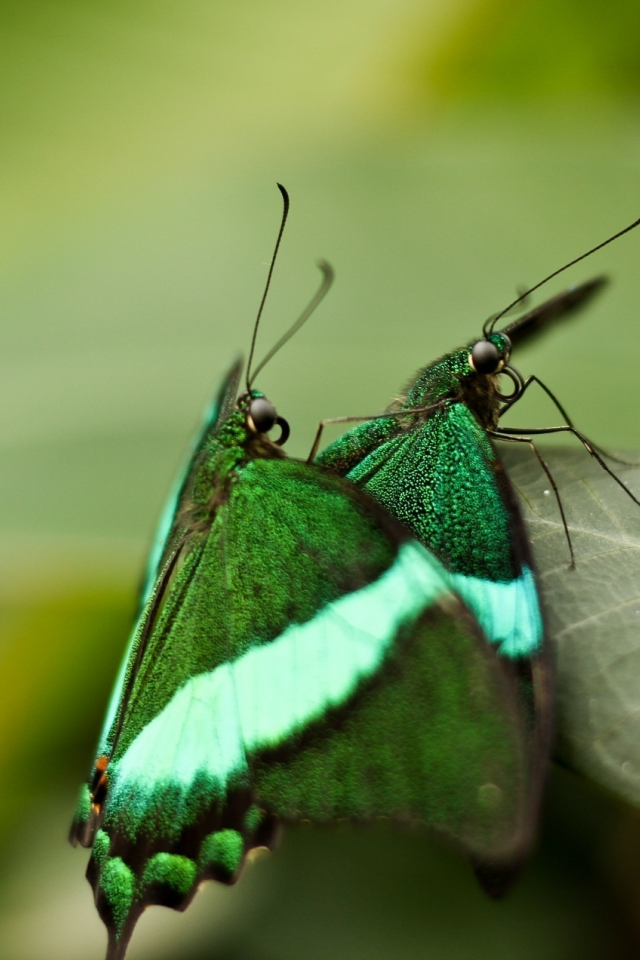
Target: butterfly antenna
(555, 273)
(285, 213)
(325, 285)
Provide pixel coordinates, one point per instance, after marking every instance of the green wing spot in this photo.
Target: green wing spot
(101, 846)
(117, 883)
(83, 809)
(164, 809)
(253, 818)
(223, 849)
(170, 870)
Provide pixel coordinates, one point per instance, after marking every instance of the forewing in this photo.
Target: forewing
(307, 659)
(214, 417)
(164, 544)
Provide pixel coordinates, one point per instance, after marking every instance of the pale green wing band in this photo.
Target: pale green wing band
(274, 690)
(508, 612)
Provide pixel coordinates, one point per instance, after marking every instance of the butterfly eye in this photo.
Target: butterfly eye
(485, 357)
(262, 415)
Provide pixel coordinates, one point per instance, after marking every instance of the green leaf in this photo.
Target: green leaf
(593, 611)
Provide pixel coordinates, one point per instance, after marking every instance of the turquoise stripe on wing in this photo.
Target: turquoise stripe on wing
(272, 692)
(508, 612)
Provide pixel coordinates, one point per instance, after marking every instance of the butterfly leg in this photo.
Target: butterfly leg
(387, 415)
(565, 416)
(328, 422)
(589, 447)
(510, 438)
(533, 379)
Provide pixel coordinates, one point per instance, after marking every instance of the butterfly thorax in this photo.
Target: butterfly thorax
(221, 462)
(452, 378)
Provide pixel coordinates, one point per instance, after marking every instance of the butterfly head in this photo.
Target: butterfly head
(491, 354)
(261, 415)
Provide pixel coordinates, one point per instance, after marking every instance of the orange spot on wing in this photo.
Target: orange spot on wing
(100, 783)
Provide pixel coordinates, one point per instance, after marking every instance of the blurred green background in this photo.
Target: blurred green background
(439, 154)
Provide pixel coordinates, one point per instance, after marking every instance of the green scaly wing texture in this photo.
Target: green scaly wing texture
(166, 536)
(440, 481)
(216, 414)
(434, 737)
(307, 660)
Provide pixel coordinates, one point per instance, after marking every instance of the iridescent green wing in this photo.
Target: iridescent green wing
(167, 535)
(302, 657)
(216, 414)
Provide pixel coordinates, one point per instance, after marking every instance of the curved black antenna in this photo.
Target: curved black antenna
(285, 213)
(555, 273)
(325, 285)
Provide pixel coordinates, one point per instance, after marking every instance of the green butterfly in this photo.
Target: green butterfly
(298, 654)
(431, 462)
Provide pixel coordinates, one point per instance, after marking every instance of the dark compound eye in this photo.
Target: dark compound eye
(263, 414)
(485, 357)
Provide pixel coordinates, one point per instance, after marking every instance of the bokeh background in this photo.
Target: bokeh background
(439, 153)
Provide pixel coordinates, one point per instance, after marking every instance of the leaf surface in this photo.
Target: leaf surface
(593, 611)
